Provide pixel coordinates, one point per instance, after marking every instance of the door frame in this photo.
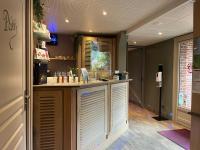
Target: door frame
(175, 85)
(29, 73)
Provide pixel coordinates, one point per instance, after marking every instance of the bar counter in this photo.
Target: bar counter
(80, 116)
(81, 84)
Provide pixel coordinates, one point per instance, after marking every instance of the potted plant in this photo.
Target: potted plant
(40, 30)
(38, 11)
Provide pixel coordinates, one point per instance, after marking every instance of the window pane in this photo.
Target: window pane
(185, 74)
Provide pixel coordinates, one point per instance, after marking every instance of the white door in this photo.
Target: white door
(12, 75)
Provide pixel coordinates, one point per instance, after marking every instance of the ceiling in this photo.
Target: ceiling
(142, 19)
(176, 22)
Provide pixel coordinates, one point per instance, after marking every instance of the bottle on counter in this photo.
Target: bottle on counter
(125, 75)
(116, 75)
(63, 77)
(59, 77)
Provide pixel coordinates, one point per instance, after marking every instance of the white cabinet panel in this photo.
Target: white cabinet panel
(91, 117)
(119, 106)
(102, 115)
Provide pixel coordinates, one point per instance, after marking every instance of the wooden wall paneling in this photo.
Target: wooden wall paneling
(73, 119)
(87, 51)
(83, 50)
(109, 111)
(69, 119)
(195, 132)
(195, 102)
(195, 112)
(114, 63)
(197, 18)
(78, 52)
(83, 53)
(107, 43)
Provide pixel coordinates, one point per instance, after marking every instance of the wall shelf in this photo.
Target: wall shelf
(42, 36)
(62, 59)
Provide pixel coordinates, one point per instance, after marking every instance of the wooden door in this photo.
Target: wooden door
(195, 111)
(135, 69)
(196, 31)
(12, 75)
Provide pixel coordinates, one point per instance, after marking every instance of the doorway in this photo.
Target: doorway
(183, 77)
(136, 70)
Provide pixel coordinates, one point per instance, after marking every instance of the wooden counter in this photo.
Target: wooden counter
(80, 116)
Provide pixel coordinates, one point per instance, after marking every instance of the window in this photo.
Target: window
(185, 74)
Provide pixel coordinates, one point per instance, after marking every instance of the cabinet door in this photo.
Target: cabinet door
(91, 117)
(119, 106)
(48, 122)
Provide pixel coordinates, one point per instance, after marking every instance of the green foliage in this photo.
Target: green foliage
(38, 11)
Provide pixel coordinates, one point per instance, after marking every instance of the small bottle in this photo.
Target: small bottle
(60, 78)
(57, 75)
(63, 79)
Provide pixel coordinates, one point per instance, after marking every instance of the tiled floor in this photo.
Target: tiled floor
(142, 133)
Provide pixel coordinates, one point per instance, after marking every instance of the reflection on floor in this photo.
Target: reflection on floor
(142, 133)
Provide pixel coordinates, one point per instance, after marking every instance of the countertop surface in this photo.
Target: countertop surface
(81, 84)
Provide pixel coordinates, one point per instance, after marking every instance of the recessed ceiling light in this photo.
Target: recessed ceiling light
(157, 23)
(104, 13)
(67, 20)
(90, 31)
(160, 33)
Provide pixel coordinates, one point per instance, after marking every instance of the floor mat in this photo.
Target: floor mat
(180, 137)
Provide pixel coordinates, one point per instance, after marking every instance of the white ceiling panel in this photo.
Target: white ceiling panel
(142, 19)
(175, 22)
(87, 14)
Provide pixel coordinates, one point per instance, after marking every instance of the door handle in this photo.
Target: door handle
(26, 99)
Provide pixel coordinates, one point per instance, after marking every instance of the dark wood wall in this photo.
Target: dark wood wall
(197, 18)
(160, 53)
(65, 47)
